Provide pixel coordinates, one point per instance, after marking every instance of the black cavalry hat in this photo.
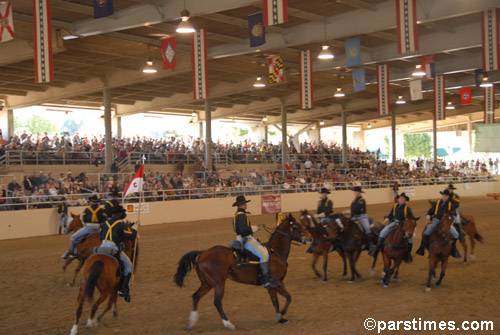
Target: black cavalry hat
(94, 198)
(324, 190)
(240, 200)
(117, 209)
(357, 189)
(447, 192)
(451, 187)
(403, 195)
(115, 194)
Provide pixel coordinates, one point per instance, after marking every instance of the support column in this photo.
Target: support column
(469, 134)
(201, 130)
(117, 126)
(208, 135)
(344, 139)
(284, 138)
(7, 122)
(266, 139)
(314, 135)
(434, 141)
(108, 148)
(393, 131)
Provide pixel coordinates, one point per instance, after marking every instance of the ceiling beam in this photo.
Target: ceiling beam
(358, 4)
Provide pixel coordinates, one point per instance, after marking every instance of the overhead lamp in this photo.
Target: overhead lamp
(450, 105)
(325, 53)
(185, 27)
(193, 114)
(369, 125)
(102, 107)
(339, 93)
(149, 67)
(259, 83)
(400, 100)
(264, 119)
(321, 123)
(485, 82)
(418, 72)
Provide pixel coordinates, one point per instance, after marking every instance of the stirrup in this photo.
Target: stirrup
(271, 284)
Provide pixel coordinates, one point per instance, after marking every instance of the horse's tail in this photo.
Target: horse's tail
(186, 263)
(478, 237)
(95, 272)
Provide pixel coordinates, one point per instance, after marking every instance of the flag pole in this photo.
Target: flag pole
(138, 226)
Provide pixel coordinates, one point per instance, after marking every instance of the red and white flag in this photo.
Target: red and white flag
(384, 104)
(439, 105)
(275, 12)
(428, 66)
(135, 184)
(200, 68)
(466, 96)
(169, 53)
(306, 79)
(6, 24)
(44, 70)
(489, 105)
(489, 33)
(406, 18)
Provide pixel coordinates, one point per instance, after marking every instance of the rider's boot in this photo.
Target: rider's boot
(371, 246)
(269, 281)
(423, 244)
(377, 248)
(123, 290)
(409, 258)
(69, 252)
(454, 250)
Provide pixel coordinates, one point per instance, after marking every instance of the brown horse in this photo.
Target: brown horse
(101, 271)
(470, 230)
(440, 246)
(84, 249)
(321, 243)
(396, 247)
(218, 263)
(350, 241)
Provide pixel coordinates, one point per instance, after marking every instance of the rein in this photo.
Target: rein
(270, 231)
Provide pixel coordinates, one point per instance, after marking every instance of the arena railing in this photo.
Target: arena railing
(20, 201)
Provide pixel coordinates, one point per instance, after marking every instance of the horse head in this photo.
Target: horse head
(408, 226)
(446, 222)
(74, 224)
(307, 222)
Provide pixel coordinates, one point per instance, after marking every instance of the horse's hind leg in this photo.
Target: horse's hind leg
(92, 321)
(472, 245)
(351, 265)
(325, 265)
(219, 294)
(444, 263)
(356, 257)
(274, 299)
(81, 300)
(283, 291)
(77, 270)
(344, 272)
(464, 246)
(314, 261)
(111, 303)
(200, 292)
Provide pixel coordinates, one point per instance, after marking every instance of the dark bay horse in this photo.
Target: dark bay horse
(218, 263)
(395, 248)
(470, 230)
(321, 244)
(84, 249)
(101, 271)
(440, 248)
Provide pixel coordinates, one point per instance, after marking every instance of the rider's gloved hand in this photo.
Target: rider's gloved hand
(428, 218)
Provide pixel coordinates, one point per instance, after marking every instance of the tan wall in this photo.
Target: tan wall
(40, 222)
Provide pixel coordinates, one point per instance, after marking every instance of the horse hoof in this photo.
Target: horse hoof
(283, 321)
(115, 315)
(394, 280)
(228, 324)
(351, 281)
(383, 274)
(386, 286)
(472, 258)
(464, 262)
(372, 273)
(436, 284)
(74, 330)
(278, 317)
(193, 318)
(427, 289)
(324, 281)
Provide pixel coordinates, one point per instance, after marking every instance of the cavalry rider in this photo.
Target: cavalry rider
(399, 212)
(110, 204)
(244, 234)
(113, 232)
(325, 207)
(455, 199)
(62, 210)
(93, 216)
(358, 212)
(437, 212)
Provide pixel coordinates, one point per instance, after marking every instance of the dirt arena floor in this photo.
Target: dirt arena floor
(34, 298)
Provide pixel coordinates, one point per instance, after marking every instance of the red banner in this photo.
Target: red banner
(271, 204)
(169, 53)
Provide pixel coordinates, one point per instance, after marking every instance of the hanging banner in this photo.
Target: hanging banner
(200, 68)
(384, 105)
(271, 204)
(169, 53)
(276, 72)
(416, 89)
(489, 33)
(257, 30)
(6, 23)
(358, 80)
(439, 103)
(428, 66)
(275, 12)
(353, 51)
(406, 18)
(489, 105)
(466, 96)
(44, 71)
(306, 79)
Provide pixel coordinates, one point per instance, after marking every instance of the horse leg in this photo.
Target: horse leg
(325, 264)
(444, 264)
(357, 253)
(387, 269)
(77, 270)
(111, 303)
(472, 245)
(351, 265)
(314, 261)
(372, 270)
(397, 273)
(274, 299)
(395, 269)
(92, 321)
(200, 292)
(344, 272)
(81, 300)
(432, 272)
(219, 294)
(282, 291)
(464, 246)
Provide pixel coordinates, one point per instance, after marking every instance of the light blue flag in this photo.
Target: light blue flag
(358, 80)
(353, 51)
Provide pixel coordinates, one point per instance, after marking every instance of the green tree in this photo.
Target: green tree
(385, 150)
(417, 145)
(239, 132)
(71, 126)
(36, 124)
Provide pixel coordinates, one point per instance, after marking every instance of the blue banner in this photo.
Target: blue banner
(358, 80)
(103, 8)
(256, 29)
(353, 51)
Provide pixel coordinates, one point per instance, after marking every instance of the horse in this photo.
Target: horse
(103, 272)
(219, 263)
(321, 243)
(440, 246)
(84, 249)
(351, 241)
(396, 247)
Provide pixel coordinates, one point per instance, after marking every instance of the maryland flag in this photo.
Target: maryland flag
(276, 72)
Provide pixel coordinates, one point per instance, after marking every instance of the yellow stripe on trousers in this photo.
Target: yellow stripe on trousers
(260, 249)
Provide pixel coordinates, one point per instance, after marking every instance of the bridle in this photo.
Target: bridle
(293, 226)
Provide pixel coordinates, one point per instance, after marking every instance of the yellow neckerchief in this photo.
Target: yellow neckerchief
(94, 218)
(326, 202)
(394, 209)
(109, 233)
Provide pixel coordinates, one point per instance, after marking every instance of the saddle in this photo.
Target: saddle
(243, 257)
(113, 253)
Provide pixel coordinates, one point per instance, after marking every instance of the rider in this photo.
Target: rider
(244, 234)
(112, 203)
(399, 212)
(455, 199)
(358, 211)
(113, 232)
(62, 210)
(93, 216)
(437, 212)
(325, 207)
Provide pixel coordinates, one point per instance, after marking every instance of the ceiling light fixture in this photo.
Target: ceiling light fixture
(185, 27)
(418, 72)
(258, 82)
(485, 82)
(149, 67)
(369, 125)
(339, 93)
(321, 123)
(264, 119)
(450, 105)
(325, 53)
(400, 100)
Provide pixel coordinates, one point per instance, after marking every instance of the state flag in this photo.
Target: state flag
(169, 53)
(256, 29)
(465, 96)
(428, 66)
(6, 23)
(353, 51)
